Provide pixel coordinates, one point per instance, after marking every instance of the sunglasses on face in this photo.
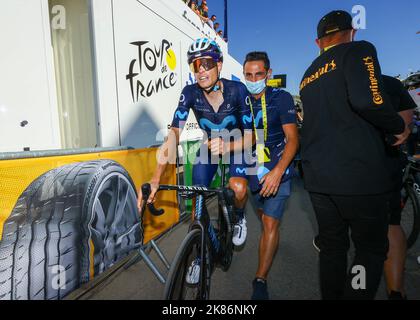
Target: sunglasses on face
(206, 63)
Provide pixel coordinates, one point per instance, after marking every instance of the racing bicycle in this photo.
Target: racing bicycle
(206, 245)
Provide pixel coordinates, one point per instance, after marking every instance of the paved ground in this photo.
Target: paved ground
(294, 274)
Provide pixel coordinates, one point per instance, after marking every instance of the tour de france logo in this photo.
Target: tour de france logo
(154, 69)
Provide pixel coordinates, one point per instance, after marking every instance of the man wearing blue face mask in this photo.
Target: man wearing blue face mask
(274, 115)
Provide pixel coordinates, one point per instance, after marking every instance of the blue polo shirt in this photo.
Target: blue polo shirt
(280, 111)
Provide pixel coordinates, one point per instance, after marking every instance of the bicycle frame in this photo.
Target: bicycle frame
(201, 220)
(211, 247)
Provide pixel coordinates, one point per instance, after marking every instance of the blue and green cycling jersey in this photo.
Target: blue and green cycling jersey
(233, 114)
(230, 115)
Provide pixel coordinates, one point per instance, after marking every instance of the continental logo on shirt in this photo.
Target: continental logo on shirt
(377, 97)
(331, 66)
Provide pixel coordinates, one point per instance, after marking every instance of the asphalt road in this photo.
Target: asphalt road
(293, 276)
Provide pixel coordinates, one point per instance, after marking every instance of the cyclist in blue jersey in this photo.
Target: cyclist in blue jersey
(274, 116)
(219, 106)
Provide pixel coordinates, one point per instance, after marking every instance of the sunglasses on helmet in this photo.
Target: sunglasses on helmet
(206, 63)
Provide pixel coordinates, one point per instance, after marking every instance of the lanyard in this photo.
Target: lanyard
(265, 122)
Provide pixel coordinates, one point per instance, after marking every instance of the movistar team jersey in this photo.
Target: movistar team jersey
(347, 114)
(232, 114)
(280, 111)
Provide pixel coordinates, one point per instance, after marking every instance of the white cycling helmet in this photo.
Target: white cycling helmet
(204, 47)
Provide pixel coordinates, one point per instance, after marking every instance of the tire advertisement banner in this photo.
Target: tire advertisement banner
(65, 220)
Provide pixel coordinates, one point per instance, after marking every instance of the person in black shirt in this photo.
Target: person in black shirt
(394, 265)
(349, 119)
(404, 104)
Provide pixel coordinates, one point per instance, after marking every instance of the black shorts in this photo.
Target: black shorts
(395, 216)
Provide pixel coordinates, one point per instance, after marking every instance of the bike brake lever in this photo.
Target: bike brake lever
(154, 211)
(146, 190)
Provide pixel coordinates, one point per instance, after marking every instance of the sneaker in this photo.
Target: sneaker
(259, 289)
(239, 233)
(193, 274)
(315, 243)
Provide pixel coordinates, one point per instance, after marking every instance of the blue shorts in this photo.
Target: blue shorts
(274, 206)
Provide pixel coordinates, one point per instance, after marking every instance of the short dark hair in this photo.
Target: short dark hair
(258, 56)
(213, 16)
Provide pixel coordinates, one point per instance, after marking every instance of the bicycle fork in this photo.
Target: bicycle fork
(202, 222)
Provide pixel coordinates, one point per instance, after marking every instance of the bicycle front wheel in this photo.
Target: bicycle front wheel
(184, 282)
(410, 215)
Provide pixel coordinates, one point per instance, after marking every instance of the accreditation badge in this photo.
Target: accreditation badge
(263, 153)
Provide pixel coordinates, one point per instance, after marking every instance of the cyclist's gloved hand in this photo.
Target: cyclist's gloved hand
(140, 201)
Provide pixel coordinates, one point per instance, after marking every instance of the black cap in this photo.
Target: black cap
(334, 21)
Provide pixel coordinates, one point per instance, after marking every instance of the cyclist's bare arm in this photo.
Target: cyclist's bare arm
(407, 116)
(166, 155)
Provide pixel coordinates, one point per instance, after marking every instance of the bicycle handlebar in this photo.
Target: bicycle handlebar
(146, 189)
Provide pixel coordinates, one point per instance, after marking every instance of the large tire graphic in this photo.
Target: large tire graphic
(59, 222)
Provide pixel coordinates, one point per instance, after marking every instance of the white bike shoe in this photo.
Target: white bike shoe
(239, 232)
(193, 274)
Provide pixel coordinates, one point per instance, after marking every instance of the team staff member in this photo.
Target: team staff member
(347, 116)
(394, 265)
(274, 115)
